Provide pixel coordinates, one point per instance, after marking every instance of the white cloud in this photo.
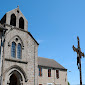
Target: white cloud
(39, 41)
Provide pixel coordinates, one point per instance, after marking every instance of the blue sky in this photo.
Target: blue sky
(55, 24)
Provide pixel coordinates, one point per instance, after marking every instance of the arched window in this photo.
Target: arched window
(19, 51)
(13, 20)
(13, 50)
(21, 23)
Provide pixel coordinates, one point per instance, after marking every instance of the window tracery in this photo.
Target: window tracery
(17, 46)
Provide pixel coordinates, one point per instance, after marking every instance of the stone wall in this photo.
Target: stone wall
(29, 55)
(44, 79)
(18, 15)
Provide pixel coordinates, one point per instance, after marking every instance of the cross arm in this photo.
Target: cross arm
(75, 49)
(82, 54)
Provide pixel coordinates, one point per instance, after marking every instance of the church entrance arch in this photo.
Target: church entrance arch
(13, 80)
(15, 76)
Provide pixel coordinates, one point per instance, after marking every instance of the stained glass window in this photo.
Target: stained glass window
(13, 50)
(19, 51)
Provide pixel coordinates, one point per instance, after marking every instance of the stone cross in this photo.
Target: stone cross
(79, 54)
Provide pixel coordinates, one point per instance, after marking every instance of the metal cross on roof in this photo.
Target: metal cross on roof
(79, 54)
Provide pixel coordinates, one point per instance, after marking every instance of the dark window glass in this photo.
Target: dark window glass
(13, 50)
(57, 74)
(49, 72)
(21, 23)
(40, 71)
(19, 51)
(13, 20)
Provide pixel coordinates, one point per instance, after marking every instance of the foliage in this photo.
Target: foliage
(68, 83)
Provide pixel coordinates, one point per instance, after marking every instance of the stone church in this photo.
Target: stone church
(20, 64)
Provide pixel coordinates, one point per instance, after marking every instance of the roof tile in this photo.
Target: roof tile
(49, 63)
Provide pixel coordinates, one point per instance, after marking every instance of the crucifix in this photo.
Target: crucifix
(79, 54)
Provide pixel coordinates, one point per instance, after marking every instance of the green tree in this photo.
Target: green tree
(68, 83)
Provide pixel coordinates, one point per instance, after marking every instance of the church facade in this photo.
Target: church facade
(19, 54)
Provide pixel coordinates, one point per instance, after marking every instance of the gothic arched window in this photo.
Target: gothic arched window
(13, 20)
(19, 49)
(13, 50)
(21, 23)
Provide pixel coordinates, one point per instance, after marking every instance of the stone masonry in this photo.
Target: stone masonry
(28, 62)
(23, 70)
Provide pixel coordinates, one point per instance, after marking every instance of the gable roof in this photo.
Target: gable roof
(24, 31)
(15, 10)
(45, 62)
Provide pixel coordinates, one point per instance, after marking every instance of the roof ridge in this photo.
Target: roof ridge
(13, 9)
(45, 58)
